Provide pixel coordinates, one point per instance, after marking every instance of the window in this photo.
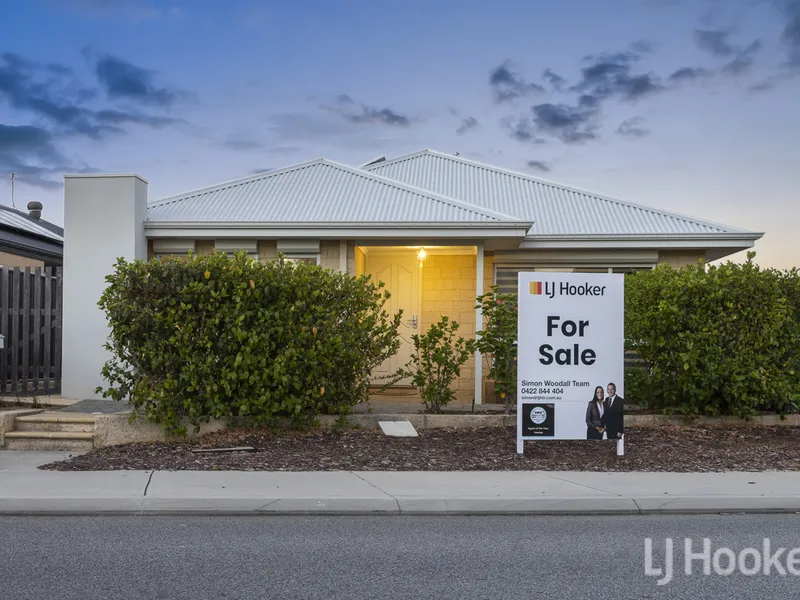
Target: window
(232, 246)
(307, 259)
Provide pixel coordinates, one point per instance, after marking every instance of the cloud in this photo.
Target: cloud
(111, 117)
(570, 124)
(743, 61)
(241, 143)
(685, 74)
(643, 46)
(554, 79)
(610, 75)
(60, 108)
(632, 128)
(122, 79)
(790, 36)
(522, 129)
(27, 140)
(508, 85)
(539, 165)
(772, 81)
(34, 88)
(467, 124)
(715, 41)
(362, 114)
(31, 152)
(604, 77)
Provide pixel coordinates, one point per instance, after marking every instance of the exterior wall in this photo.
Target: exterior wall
(351, 258)
(329, 254)
(13, 260)
(204, 246)
(267, 250)
(103, 220)
(200, 247)
(448, 289)
(679, 258)
(360, 262)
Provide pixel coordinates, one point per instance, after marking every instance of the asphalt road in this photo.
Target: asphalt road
(378, 557)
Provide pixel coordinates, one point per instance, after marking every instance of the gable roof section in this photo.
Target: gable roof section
(15, 219)
(319, 191)
(555, 210)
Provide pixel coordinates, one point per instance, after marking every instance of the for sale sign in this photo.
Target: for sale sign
(570, 356)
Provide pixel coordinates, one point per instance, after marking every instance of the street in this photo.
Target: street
(377, 557)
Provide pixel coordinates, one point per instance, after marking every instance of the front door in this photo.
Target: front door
(400, 272)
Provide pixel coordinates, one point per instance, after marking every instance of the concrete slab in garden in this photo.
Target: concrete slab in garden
(398, 428)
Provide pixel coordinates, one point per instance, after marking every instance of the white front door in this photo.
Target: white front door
(400, 272)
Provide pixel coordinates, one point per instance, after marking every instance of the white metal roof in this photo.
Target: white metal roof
(12, 219)
(319, 191)
(554, 209)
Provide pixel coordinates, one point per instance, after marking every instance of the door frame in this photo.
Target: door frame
(399, 252)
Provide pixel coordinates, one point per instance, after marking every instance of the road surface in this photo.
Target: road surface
(378, 557)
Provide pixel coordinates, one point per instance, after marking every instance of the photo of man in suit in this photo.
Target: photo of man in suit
(614, 413)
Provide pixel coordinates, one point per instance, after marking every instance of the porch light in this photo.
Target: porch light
(422, 254)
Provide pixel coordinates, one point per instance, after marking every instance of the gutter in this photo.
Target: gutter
(410, 229)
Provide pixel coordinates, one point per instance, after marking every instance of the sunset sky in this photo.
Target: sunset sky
(686, 105)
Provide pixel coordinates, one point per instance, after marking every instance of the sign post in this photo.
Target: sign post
(570, 347)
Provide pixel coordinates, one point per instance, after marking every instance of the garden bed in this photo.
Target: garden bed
(673, 448)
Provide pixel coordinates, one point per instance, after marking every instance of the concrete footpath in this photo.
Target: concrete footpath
(27, 490)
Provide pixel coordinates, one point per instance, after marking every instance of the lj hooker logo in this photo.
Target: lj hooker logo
(551, 288)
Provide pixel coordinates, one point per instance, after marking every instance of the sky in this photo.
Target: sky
(691, 106)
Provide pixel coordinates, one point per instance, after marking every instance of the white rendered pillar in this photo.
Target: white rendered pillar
(103, 220)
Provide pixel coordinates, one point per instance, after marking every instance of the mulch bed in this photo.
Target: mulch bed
(676, 449)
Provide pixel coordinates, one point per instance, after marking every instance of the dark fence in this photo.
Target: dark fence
(30, 321)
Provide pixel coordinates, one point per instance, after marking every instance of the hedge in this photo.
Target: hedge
(216, 337)
(715, 340)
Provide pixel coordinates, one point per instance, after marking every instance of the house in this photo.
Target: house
(437, 229)
(27, 240)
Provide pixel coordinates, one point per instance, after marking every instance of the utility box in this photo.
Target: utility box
(2, 341)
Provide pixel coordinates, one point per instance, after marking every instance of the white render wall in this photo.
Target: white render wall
(103, 220)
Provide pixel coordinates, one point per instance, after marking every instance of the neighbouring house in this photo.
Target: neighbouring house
(437, 229)
(27, 240)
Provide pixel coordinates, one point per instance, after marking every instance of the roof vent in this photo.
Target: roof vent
(35, 209)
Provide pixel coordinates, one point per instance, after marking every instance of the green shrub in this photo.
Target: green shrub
(216, 337)
(436, 362)
(718, 340)
(498, 340)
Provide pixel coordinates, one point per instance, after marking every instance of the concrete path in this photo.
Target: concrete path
(26, 490)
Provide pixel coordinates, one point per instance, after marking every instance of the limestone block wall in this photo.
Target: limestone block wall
(448, 288)
(679, 258)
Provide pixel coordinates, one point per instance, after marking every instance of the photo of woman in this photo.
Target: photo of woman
(595, 423)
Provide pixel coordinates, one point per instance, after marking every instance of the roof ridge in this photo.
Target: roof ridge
(431, 195)
(233, 182)
(498, 216)
(510, 172)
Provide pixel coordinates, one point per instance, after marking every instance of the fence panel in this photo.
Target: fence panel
(30, 321)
